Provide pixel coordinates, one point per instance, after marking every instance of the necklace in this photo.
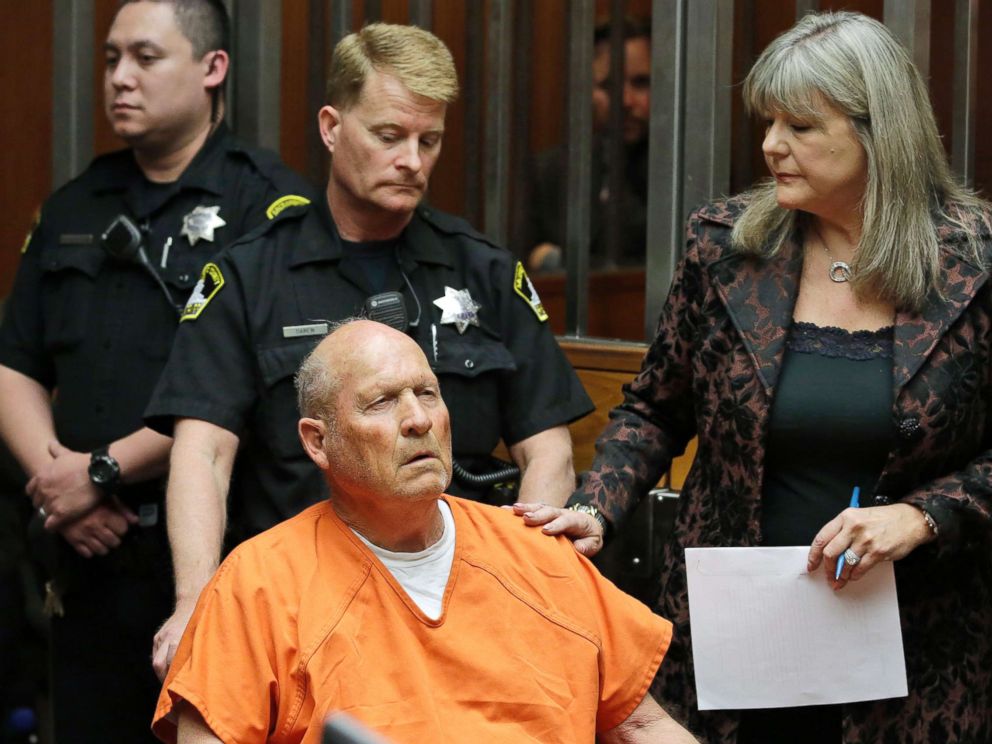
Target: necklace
(839, 271)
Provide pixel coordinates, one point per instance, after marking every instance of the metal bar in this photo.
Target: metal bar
(72, 88)
(709, 29)
(472, 92)
(341, 20)
(909, 20)
(965, 88)
(804, 7)
(373, 10)
(422, 13)
(579, 166)
(523, 43)
(258, 31)
(497, 137)
(319, 31)
(615, 153)
(667, 134)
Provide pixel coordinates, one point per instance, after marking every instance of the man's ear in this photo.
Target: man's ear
(313, 435)
(329, 122)
(217, 63)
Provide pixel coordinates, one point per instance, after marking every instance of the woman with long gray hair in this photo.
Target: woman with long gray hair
(829, 328)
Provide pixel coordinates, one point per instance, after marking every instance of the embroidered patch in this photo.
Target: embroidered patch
(211, 280)
(524, 287)
(285, 202)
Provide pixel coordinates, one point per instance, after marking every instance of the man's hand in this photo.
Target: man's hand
(63, 488)
(167, 638)
(582, 529)
(100, 531)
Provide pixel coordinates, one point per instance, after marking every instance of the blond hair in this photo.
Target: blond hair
(417, 58)
(855, 64)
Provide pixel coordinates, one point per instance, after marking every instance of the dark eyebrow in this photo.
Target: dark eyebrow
(134, 46)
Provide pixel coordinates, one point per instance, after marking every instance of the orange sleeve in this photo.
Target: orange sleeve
(224, 666)
(633, 643)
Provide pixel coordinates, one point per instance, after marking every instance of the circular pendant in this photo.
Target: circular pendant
(840, 272)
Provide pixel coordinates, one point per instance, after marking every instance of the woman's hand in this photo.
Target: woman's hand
(877, 533)
(582, 529)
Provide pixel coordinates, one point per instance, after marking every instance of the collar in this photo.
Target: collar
(760, 296)
(117, 176)
(419, 241)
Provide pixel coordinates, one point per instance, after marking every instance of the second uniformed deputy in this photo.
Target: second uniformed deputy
(267, 301)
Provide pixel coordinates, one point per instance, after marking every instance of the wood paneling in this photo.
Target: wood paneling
(25, 126)
(104, 139)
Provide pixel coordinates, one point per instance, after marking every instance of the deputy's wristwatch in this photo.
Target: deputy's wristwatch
(104, 470)
(593, 512)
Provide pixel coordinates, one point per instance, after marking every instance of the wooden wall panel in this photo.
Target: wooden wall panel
(296, 120)
(25, 126)
(104, 139)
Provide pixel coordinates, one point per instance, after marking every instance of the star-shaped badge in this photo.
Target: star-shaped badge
(201, 223)
(458, 308)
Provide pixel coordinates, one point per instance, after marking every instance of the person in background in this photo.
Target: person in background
(830, 328)
(545, 219)
(92, 315)
(269, 298)
(427, 617)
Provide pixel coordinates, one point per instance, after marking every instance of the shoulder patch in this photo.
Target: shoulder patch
(284, 202)
(34, 226)
(524, 287)
(211, 280)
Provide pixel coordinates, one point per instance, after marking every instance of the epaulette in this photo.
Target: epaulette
(452, 225)
(292, 212)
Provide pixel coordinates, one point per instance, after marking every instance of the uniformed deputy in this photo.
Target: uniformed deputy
(94, 309)
(267, 301)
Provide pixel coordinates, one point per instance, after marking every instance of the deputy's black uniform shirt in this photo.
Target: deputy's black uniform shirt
(233, 364)
(99, 329)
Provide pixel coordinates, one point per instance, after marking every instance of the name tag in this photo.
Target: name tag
(311, 329)
(75, 239)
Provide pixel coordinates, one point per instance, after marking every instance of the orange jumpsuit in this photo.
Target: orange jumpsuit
(533, 644)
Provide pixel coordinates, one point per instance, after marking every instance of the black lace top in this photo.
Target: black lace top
(830, 428)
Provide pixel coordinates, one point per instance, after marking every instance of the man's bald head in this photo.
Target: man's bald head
(372, 415)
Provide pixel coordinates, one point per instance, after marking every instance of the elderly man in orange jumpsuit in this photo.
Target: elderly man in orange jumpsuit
(425, 616)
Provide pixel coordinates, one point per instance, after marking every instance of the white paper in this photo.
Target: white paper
(765, 634)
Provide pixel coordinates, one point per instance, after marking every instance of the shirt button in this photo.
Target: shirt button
(469, 364)
(882, 500)
(98, 408)
(120, 284)
(184, 277)
(107, 344)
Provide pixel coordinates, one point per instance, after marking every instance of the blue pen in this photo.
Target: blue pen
(854, 505)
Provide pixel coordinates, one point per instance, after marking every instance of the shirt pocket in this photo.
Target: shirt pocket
(469, 368)
(69, 289)
(278, 411)
(163, 311)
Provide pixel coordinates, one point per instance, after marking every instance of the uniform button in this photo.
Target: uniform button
(184, 277)
(882, 500)
(120, 284)
(908, 427)
(98, 408)
(469, 364)
(107, 344)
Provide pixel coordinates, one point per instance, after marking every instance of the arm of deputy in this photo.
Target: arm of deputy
(196, 505)
(63, 487)
(648, 724)
(26, 423)
(545, 462)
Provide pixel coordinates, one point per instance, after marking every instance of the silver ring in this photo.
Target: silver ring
(42, 513)
(851, 558)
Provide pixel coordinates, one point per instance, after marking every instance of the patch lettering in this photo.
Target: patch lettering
(285, 202)
(524, 287)
(211, 280)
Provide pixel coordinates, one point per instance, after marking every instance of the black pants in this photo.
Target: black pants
(103, 688)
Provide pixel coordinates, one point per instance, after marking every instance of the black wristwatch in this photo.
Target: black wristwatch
(104, 470)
